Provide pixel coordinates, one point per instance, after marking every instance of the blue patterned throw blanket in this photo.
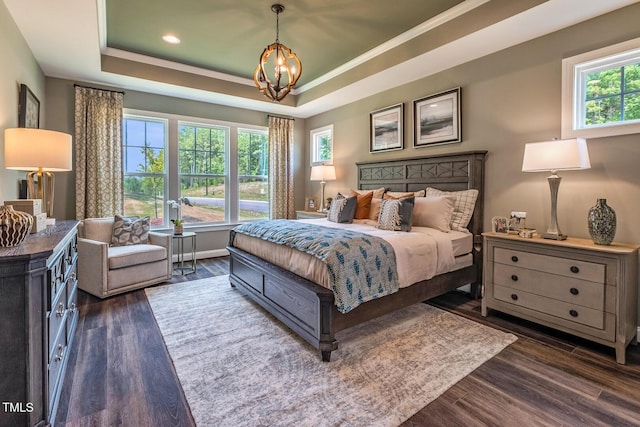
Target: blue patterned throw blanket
(361, 267)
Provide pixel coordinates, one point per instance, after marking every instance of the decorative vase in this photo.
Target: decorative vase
(602, 223)
(14, 226)
(178, 229)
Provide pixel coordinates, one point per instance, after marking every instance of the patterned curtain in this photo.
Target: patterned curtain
(281, 168)
(98, 153)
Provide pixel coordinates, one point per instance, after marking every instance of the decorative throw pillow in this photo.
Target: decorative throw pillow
(402, 194)
(342, 209)
(374, 212)
(434, 212)
(377, 193)
(463, 207)
(363, 205)
(396, 214)
(130, 231)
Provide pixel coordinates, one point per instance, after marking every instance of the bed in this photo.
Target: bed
(309, 309)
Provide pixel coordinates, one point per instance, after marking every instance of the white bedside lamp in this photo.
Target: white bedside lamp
(554, 156)
(323, 173)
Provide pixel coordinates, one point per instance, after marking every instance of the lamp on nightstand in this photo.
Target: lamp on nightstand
(554, 156)
(323, 173)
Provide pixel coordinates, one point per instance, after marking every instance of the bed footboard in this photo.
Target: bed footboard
(300, 304)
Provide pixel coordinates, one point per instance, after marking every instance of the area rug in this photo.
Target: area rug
(239, 366)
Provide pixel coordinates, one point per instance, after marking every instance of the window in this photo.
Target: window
(145, 175)
(218, 170)
(322, 146)
(601, 92)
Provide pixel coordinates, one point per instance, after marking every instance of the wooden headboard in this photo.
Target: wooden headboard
(447, 172)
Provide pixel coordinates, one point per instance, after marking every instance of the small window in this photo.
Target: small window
(322, 146)
(601, 92)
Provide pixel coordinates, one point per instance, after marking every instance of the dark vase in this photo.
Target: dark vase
(602, 223)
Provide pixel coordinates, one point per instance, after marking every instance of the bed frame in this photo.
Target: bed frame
(309, 310)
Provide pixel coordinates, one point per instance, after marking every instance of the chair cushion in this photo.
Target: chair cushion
(130, 255)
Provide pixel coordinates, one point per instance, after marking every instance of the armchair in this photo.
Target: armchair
(104, 271)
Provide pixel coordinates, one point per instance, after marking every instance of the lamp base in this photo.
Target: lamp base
(554, 236)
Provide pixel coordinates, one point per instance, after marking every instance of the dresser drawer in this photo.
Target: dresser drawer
(55, 319)
(72, 312)
(567, 289)
(583, 270)
(56, 363)
(560, 309)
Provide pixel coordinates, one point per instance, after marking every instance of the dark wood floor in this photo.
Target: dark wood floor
(120, 373)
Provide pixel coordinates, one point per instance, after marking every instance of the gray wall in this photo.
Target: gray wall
(18, 66)
(60, 102)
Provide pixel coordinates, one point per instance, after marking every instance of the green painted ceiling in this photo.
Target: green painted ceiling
(229, 35)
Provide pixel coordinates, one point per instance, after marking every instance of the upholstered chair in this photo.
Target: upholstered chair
(105, 270)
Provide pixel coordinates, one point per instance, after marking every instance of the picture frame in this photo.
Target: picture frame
(311, 204)
(28, 108)
(499, 224)
(437, 119)
(386, 131)
(517, 221)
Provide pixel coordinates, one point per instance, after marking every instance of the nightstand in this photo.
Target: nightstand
(572, 285)
(310, 214)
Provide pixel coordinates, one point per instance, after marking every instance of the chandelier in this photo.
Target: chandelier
(285, 65)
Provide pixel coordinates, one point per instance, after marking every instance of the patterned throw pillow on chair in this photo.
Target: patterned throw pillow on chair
(130, 231)
(342, 209)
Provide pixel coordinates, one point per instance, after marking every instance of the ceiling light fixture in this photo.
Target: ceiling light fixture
(170, 38)
(285, 64)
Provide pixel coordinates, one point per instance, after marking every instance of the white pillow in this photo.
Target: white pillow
(463, 208)
(434, 212)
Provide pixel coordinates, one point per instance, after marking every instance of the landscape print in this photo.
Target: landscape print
(386, 129)
(437, 118)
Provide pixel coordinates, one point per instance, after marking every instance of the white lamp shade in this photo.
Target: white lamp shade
(31, 149)
(566, 154)
(323, 173)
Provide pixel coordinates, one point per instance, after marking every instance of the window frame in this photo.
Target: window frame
(574, 72)
(314, 138)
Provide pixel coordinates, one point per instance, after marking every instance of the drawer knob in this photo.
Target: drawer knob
(60, 354)
(514, 277)
(574, 291)
(60, 310)
(573, 313)
(575, 269)
(514, 258)
(514, 297)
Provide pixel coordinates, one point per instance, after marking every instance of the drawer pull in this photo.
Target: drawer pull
(573, 313)
(514, 297)
(574, 291)
(514, 258)
(73, 307)
(60, 310)
(514, 277)
(60, 354)
(575, 269)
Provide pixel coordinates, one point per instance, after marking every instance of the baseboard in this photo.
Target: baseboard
(214, 253)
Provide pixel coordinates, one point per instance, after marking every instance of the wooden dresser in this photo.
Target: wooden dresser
(38, 316)
(572, 285)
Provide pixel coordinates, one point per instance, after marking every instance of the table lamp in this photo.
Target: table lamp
(323, 173)
(41, 152)
(554, 156)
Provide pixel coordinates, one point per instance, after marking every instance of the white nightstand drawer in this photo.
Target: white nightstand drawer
(567, 289)
(563, 266)
(560, 309)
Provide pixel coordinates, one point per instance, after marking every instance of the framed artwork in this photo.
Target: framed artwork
(386, 129)
(28, 109)
(310, 204)
(437, 119)
(499, 224)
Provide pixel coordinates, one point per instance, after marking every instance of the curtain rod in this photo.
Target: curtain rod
(99, 88)
(281, 117)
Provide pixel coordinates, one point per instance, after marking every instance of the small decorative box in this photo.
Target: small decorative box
(31, 206)
(39, 222)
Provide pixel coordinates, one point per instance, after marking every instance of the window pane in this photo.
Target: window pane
(202, 150)
(203, 199)
(324, 147)
(144, 196)
(632, 107)
(253, 169)
(632, 77)
(604, 83)
(604, 110)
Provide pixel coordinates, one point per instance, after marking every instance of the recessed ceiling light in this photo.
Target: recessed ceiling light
(170, 38)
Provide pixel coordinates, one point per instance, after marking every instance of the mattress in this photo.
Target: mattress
(453, 251)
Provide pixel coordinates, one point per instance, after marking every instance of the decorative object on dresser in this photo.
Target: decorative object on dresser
(322, 173)
(14, 226)
(32, 207)
(602, 223)
(38, 317)
(437, 119)
(386, 129)
(554, 156)
(41, 152)
(571, 285)
(310, 309)
(310, 204)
